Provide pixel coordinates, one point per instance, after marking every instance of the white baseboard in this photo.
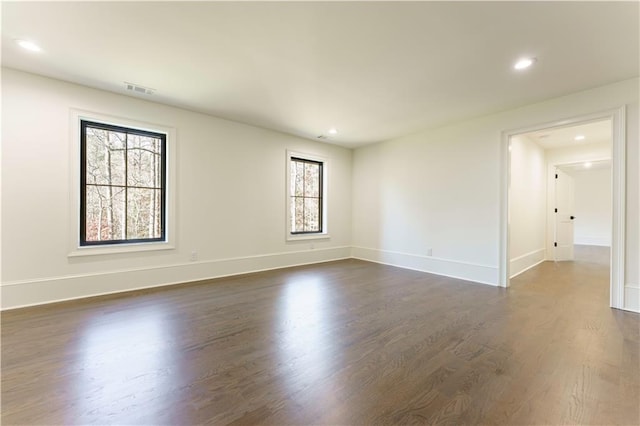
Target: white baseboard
(18, 294)
(593, 241)
(525, 262)
(483, 274)
(632, 298)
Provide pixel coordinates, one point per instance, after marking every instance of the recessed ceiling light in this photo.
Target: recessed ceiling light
(524, 63)
(333, 131)
(587, 165)
(29, 45)
(579, 138)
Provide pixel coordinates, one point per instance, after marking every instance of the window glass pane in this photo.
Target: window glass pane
(157, 219)
(292, 179)
(159, 164)
(311, 214)
(143, 162)
(105, 157)
(292, 215)
(299, 216)
(298, 170)
(142, 213)
(104, 213)
(311, 180)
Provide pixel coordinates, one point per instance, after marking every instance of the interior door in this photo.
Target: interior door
(564, 216)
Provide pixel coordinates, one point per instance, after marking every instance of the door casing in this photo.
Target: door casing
(618, 190)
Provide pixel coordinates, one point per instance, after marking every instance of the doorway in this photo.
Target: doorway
(564, 215)
(583, 211)
(530, 225)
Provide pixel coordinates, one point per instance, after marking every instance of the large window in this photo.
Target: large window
(123, 181)
(305, 196)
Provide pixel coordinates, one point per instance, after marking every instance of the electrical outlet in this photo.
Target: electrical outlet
(194, 256)
(311, 246)
(429, 252)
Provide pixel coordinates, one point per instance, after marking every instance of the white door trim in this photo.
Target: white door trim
(618, 190)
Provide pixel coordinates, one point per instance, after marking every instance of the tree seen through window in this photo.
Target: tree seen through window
(306, 196)
(123, 185)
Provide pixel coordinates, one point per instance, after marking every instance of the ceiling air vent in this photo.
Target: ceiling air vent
(139, 89)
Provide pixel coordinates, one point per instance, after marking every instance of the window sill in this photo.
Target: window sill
(302, 237)
(119, 248)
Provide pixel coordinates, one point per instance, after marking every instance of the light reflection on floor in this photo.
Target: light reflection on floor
(123, 355)
(303, 326)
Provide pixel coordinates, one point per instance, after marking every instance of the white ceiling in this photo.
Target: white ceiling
(373, 70)
(594, 132)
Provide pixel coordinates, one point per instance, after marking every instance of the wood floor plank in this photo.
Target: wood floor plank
(347, 342)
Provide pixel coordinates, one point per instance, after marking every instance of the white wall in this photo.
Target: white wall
(436, 190)
(230, 197)
(440, 189)
(570, 155)
(428, 193)
(592, 206)
(527, 204)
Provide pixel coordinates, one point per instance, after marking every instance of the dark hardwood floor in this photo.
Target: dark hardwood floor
(345, 342)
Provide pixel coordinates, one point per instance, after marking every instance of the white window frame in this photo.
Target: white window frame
(75, 249)
(325, 184)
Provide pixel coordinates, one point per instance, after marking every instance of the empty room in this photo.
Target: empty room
(328, 213)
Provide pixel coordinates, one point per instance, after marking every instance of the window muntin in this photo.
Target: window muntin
(123, 185)
(306, 196)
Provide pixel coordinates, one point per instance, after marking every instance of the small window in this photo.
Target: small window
(306, 196)
(123, 181)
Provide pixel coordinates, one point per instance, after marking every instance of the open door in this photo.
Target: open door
(564, 216)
